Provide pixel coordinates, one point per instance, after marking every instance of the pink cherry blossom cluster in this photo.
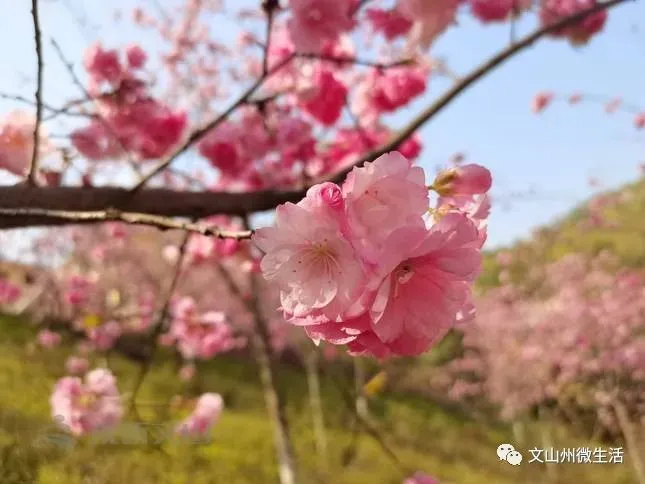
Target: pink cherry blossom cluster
(104, 337)
(420, 478)
(78, 290)
(48, 339)
(76, 365)
(315, 22)
(498, 10)
(360, 266)
(234, 147)
(205, 415)
(131, 120)
(202, 248)
(577, 326)
(199, 335)
(16, 142)
(385, 91)
(84, 406)
(390, 23)
(580, 32)
(9, 292)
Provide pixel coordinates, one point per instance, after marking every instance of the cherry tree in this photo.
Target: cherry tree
(364, 252)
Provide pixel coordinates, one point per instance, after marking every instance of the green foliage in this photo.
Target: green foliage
(423, 436)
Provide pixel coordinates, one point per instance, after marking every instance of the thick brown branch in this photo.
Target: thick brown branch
(152, 201)
(33, 168)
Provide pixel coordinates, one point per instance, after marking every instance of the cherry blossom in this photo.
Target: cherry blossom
(315, 22)
(391, 23)
(420, 478)
(463, 180)
(205, 415)
(9, 292)
(133, 122)
(498, 10)
(430, 19)
(199, 335)
(87, 405)
(16, 142)
(48, 339)
(76, 365)
(353, 262)
(580, 32)
(325, 99)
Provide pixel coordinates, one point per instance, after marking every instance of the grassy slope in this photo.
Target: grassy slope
(422, 435)
(626, 240)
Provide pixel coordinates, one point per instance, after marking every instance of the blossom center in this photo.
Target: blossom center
(323, 255)
(402, 275)
(87, 400)
(321, 250)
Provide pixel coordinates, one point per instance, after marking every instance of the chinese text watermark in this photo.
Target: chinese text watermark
(570, 455)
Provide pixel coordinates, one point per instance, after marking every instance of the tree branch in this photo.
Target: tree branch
(112, 215)
(33, 168)
(151, 201)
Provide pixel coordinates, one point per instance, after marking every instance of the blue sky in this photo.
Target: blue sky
(555, 152)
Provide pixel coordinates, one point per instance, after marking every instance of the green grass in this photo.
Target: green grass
(423, 436)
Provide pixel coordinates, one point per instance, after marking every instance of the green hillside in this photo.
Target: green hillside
(422, 435)
(623, 234)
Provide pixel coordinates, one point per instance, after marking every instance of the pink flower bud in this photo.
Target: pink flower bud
(48, 339)
(463, 180)
(541, 101)
(332, 195)
(187, 372)
(136, 56)
(76, 365)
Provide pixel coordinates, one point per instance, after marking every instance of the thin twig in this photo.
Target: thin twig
(350, 403)
(33, 168)
(154, 336)
(356, 61)
(55, 111)
(269, 7)
(113, 215)
(514, 15)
